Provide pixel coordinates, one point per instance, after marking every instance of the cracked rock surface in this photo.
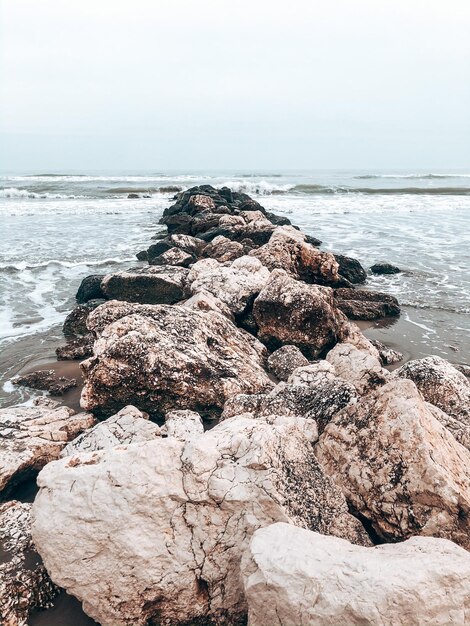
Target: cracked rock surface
(357, 367)
(24, 582)
(30, 437)
(154, 533)
(398, 466)
(292, 576)
(160, 358)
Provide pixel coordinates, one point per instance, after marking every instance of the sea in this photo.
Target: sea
(58, 227)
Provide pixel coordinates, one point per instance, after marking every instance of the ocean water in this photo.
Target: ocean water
(59, 227)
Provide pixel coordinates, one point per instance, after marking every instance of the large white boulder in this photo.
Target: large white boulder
(293, 576)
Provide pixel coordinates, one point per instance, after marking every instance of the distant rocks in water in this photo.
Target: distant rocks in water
(385, 268)
(351, 269)
(32, 436)
(90, 289)
(180, 514)
(25, 585)
(133, 196)
(362, 304)
(293, 576)
(398, 466)
(46, 380)
(163, 357)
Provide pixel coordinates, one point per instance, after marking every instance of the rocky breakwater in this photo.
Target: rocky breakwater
(319, 452)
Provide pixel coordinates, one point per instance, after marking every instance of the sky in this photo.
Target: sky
(220, 84)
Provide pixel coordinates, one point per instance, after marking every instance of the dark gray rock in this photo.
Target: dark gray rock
(385, 268)
(90, 289)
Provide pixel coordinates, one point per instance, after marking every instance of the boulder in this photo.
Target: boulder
(351, 269)
(387, 355)
(129, 425)
(288, 311)
(236, 284)
(184, 425)
(223, 249)
(154, 533)
(205, 301)
(357, 367)
(163, 357)
(147, 285)
(75, 322)
(46, 380)
(32, 436)
(441, 384)
(191, 245)
(313, 373)
(285, 360)
(362, 304)
(398, 467)
(175, 257)
(24, 583)
(76, 349)
(385, 268)
(293, 576)
(90, 289)
(287, 250)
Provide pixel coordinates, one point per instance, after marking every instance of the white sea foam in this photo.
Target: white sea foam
(14, 192)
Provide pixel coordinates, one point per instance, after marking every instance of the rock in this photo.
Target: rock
(46, 380)
(287, 250)
(133, 196)
(24, 583)
(385, 268)
(293, 576)
(76, 349)
(90, 289)
(251, 225)
(205, 301)
(357, 367)
(288, 311)
(441, 384)
(319, 399)
(175, 257)
(351, 333)
(160, 358)
(361, 304)
(147, 285)
(313, 373)
(129, 425)
(75, 322)
(142, 255)
(236, 284)
(153, 533)
(30, 437)
(388, 356)
(191, 245)
(285, 360)
(223, 249)
(463, 369)
(183, 425)
(398, 467)
(351, 269)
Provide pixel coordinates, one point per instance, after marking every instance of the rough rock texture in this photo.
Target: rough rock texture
(205, 301)
(76, 349)
(128, 426)
(361, 304)
(313, 373)
(398, 466)
(75, 322)
(359, 368)
(30, 437)
(24, 582)
(287, 250)
(46, 380)
(351, 269)
(387, 355)
(223, 249)
(184, 425)
(289, 311)
(154, 533)
(293, 576)
(175, 257)
(351, 333)
(147, 285)
(190, 245)
(441, 384)
(319, 399)
(162, 357)
(235, 284)
(385, 268)
(90, 289)
(285, 360)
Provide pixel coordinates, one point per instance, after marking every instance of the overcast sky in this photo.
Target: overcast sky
(166, 84)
